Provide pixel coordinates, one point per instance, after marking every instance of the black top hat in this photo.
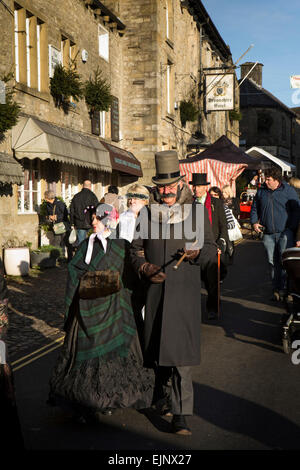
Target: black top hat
(199, 179)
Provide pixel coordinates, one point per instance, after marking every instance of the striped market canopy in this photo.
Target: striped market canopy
(218, 173)
(222, 161)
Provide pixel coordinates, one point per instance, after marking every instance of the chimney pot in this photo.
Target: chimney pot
(255, 75)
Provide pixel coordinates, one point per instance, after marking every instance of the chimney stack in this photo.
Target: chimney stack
(255, 75)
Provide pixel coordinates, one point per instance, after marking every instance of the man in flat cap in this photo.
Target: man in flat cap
(170, 227)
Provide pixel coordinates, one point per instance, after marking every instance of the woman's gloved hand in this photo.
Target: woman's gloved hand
(153, 273)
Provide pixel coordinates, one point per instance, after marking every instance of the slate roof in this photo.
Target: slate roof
(252, 95)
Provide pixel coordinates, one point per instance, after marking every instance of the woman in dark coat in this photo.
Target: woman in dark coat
(56, 211)
(101, 366)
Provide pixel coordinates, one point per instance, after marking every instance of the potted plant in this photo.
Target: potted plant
(235, 115)
(188, 112)
(10, 110)
(45, 256)
(65, 84)
(16, 258)
(97, 93)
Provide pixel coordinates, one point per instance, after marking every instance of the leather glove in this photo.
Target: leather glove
(153, 273)
(191, 254)
(222, 245)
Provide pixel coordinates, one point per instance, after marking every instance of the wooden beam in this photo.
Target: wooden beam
(88, 2)
(97, 11)
(106, 18)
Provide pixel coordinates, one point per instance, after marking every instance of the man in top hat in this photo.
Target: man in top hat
(217, 218)
(172, 304)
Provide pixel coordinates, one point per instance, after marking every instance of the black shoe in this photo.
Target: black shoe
(163, 407)
(179, 426)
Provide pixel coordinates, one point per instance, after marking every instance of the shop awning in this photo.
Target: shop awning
(32, 138)
(258, 152)
(123, 160)
(10, 170)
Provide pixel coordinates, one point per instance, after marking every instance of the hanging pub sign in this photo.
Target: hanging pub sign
(219, 92)
(114, 118)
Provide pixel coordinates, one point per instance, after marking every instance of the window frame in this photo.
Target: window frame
(16, 38)
(68, 190)
(105, 33)
(21, 189)
(102, 118)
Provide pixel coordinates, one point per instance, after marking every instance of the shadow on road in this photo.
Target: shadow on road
(241, 416)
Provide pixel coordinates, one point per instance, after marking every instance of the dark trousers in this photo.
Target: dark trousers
(175, 385)
(209, 275)
(62, 241)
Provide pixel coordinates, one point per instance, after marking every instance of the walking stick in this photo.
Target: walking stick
(179, 262)
(182, 258)
(219, 268)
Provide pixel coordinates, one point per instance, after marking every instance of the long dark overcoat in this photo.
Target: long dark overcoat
(172, 308)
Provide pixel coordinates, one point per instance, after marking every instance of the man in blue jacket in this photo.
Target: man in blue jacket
(275, 214)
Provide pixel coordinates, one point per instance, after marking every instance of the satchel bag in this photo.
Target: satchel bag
(59, 227)
(94, 284)
(235, 233)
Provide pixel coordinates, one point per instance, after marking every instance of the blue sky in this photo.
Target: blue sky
(273, 27)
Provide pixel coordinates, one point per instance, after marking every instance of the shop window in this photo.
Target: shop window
(98, 123)
(29, 193)
(31, 53)
(103, 37)
(69, 51)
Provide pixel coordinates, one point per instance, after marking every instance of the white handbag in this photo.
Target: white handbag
(235, 233)
(72, 236)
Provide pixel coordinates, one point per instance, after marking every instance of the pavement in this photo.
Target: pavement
(246, 388)
(36, 309)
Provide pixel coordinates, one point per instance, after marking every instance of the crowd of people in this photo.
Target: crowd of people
(133, 304)
(131, 336)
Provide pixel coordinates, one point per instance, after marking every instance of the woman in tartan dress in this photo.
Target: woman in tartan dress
(100, 367)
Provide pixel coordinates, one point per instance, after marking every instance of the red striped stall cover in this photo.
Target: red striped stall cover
(218, 173)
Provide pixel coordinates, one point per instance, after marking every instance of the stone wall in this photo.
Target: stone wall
(72, 19)
(147, 126)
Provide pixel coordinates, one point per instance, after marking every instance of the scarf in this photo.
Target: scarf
(102, 237)
(207, 204)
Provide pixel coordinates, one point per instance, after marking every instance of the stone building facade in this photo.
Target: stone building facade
(36, 35)
(155, 55)
(167, 51)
